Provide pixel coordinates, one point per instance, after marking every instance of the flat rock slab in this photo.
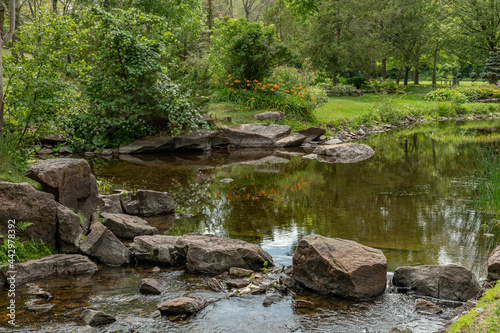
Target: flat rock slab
(149, 145)
(345, 152)
(158, 249)
(96, 318)
(209, 254)
(200, 140)
(254, 135)
(102, 244)
(24, 203)
(340, 267)
(127, 226)
(56, 264)
(494, 264)
(182, 305)
(152, 286)
(293, 140)
(237, 283)
(451, 282)
(312, 133)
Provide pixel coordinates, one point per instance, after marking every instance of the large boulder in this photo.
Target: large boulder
(158, 249)
(345, 152)
(494, 264)
(275, 116)
(293, 140)
(112, 204)
(253, 135)
(56, 264)
(312, 133)
(451, 282)
(102, 244)
(69, 229)
(70, 181)
(182, 305)
(200, 140)
(127, 226)
(149, 145)
(210, 254)
(148, 203)
(24, 203)
(340, 267)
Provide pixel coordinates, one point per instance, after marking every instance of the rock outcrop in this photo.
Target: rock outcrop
(158, 249)
(340, 267)
(127, 226)
(56, 264)
(451, 282)
(253, 135)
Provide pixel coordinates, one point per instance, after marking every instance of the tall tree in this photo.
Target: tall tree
(5, 37)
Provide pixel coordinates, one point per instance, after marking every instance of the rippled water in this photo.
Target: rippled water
(411, 200)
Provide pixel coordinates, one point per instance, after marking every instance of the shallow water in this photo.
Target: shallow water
(411, 200)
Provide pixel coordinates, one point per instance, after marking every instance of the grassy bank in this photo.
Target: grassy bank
(369, 109)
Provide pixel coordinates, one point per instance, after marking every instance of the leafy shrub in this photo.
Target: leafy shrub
(319, 94)
(25, 250)
(339, 87)
(446, 94)
(293, 77)
(489, 90)
(356, 81)
(470, 92)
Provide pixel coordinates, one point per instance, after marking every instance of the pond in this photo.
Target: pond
(411, 200)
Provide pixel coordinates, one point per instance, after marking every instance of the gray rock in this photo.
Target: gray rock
(127, 226)
(107, 152)
(240, 272)
(70, 181)
(182, 305)
(312, 133)
(209, 254)
(70, 229)
(293, 140)
(333, 141)
(288, 282)
(494, 264)
(254, 135)
(96, 318)
(275, 116)
(39, 308)
(152, 203)
(158, 249)
(56, 264)
(152, 286)
(272, 299)
(397, 330)
(112, 204)
(65, 150)
(45, 151)
(428, 307)
(24, 203)
(200, 140)
(451, 282)
(149, 145)
(345, 152)
(237, 283)
(340, 267)
(103, 244)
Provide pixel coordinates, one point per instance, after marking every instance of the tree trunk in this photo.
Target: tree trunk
(5, 38)
(434, 65)
(407, 72)
(210, 14)
(417, 73)
(384, 69)
(399, 75)
(335, 69)
(54, 6)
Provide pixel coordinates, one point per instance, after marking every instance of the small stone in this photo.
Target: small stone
(89, 154)
(428, 306)
(226, 180)
(152, 286)
(156, 269)
(240, 272)
(96, 318)
(45, 151)
(106, 152)
(40, 308)
(65, 150)
(182, 305)
(237, 283)
(272, 299)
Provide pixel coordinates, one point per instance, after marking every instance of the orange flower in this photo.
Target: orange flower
(272, 89)
(244, 90)
(255, 81)
(234, 92)
(252, 98)
(312, 97)
(232, 84)
(227, 82)
(247, 81)
(236, 81)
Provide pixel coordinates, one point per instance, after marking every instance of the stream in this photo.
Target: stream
(411, 200)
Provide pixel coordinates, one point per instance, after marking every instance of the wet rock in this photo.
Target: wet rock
(288, 270)
(195, 141)
(152, 286)
(397, 330)
(494, 264)
(70, 181)
(288, 282)
(96, 318)
(209, 254)
(24, 203)
(70, 229)
(272, 299)
(451, 282)
(38, 292)
(346, 152)
(340, 267)
(127, 226)
(112, 204)
(428, 307)
(254, 135)
(312, 133)
(102, 244)
(150, 203)
(182, 305)
(268, 160)
(240, 272)
(158, 249)
(37, 307)
(293, 140)
(275, 116)
(56, 264)
(149, 145)
(251, 289)
(237, 283)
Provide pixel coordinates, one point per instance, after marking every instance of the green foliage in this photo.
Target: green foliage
(104, 186)
(446, 94)
(356, 81)
(492, 67)
(489, 90)
(339, 87)
(290, 77)
(25, 250)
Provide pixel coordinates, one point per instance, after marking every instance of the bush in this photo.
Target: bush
(293, 77)
(339, 87)
(470, 92)
(356, 81)
(446, 94)
(489, 90)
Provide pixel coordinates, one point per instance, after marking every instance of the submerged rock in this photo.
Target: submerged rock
(127, 226)
(340, 267)
(428, 306)
(96, 318)
(451, 282)
(182, 305)
(152, 286)
(56, 264)
(209, 254)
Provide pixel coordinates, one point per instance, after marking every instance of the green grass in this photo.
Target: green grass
(486, 320)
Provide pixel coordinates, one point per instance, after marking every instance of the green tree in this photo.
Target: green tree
(492, 67)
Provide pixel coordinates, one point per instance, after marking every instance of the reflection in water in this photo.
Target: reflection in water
(410, 200)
